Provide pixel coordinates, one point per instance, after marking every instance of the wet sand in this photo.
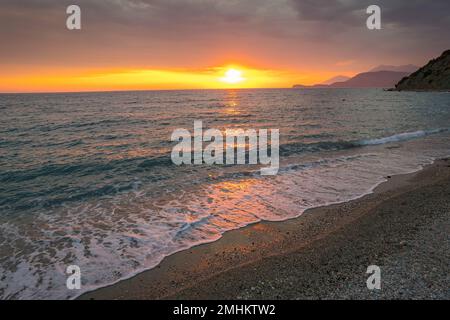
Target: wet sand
(403, 227)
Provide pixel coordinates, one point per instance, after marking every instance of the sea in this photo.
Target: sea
(86, 179)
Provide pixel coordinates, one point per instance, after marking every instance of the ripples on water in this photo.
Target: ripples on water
(86, 179)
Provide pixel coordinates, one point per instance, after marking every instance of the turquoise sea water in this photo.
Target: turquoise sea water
(86, 179)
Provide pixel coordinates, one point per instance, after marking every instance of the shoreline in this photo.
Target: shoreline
(302, 252)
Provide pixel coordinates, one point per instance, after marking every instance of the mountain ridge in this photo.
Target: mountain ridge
(338, 78)
(434, 76)
(403, 68)
(378, 79)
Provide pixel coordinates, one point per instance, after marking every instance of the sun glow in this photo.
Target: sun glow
(220, 77)
(233, 76)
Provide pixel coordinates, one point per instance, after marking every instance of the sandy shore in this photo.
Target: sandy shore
(403, 227)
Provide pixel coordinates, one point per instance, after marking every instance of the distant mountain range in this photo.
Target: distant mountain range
(434, 76)
(335, 79)
(410, 68)
(380, 77)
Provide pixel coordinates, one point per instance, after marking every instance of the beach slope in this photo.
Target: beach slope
(403, 227)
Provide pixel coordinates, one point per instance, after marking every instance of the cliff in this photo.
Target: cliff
(435, 76)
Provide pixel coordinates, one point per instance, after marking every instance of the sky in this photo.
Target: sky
(187, 44)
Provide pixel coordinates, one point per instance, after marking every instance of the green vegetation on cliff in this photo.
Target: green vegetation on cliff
(434, 76)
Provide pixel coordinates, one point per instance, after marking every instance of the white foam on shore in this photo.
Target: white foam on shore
(401, 137)
(115, 238)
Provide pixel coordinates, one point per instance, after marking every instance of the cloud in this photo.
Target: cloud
(294, 34)
(344, 63)
(408, 13)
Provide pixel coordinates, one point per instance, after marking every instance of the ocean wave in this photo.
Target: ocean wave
(296, 148)
(300, 147)
(131, 165)
(112, 177)
(401, 137)
(55, 184)
(148, 235)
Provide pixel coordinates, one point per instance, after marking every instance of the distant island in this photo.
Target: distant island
(376, 79)
(435, 76)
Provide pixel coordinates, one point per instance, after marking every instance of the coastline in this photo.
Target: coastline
(323, 254)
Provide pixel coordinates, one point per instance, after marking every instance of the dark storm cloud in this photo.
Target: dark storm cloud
(35, 30)
(146, 17)
(147, 12)
(187, 15)
(410, 13)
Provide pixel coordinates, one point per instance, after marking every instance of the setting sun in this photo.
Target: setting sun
(233, 76)
(120, 79)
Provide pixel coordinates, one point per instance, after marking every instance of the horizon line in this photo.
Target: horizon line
(142, 90)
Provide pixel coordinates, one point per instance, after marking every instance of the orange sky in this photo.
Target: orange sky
(61, 80)
(190, 44)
